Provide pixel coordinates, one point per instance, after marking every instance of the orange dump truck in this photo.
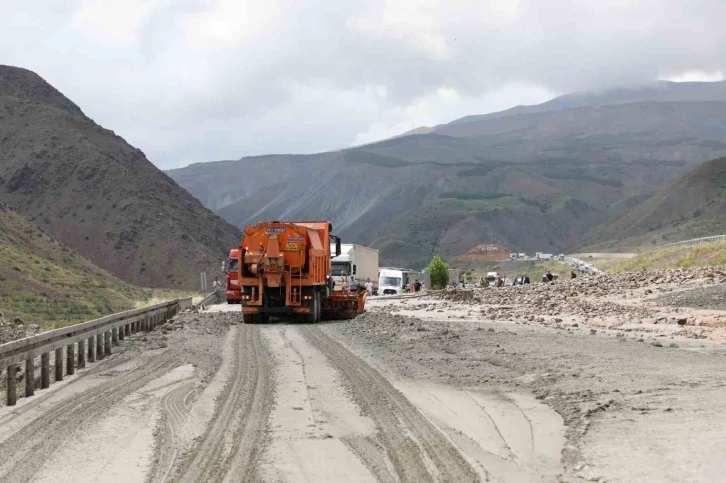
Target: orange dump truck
(284, 270)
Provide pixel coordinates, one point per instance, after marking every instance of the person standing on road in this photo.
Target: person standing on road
(548, 275)
(216, 285)
(369, 286)
(525, 279)
(417, 286)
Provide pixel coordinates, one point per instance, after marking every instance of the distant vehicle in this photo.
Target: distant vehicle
(396, 280)
(233, 292)
(358, 262)
(491, 278)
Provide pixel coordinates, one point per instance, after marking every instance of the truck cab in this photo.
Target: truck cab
(233, 288)
(355, 265)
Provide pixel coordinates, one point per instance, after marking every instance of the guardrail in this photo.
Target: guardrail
(89, 340)
(212, 298)
(694, 241)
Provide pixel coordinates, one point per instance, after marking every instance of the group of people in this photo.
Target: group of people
(504, 281)
(415, 287)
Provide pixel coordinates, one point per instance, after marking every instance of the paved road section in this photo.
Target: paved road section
(384, 398)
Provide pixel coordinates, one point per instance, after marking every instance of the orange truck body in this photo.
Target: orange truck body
(233, 292)
(284, 269)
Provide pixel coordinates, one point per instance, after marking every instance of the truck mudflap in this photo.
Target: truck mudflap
(343, 304)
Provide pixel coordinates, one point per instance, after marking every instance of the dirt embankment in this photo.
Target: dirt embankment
(685, 300)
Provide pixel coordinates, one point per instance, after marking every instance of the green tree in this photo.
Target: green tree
(439, 272)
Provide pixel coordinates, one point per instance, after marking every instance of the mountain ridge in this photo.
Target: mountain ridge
(536, 181)
(99, 195)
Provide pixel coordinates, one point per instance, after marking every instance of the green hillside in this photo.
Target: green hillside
(692, 207)
(706, 255)
(44, 282)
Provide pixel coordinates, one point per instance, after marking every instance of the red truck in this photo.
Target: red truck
(233, 291)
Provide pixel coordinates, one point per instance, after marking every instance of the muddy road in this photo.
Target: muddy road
(384, 398)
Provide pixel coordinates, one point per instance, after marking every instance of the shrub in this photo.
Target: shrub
(439, 272)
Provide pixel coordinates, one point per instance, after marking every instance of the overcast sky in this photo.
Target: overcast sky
(201, 80)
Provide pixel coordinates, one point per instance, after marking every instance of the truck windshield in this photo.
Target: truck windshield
(339, 268)
(232, 265)
(391, 281)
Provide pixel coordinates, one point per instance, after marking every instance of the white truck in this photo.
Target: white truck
(394, 281)
(354, 266)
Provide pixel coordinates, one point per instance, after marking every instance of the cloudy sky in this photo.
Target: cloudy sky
(201, 80)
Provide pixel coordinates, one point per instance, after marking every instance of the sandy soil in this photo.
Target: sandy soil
(447, 387)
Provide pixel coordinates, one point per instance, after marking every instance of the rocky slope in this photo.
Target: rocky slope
(694, 206)
(99, 195)
(534, 178)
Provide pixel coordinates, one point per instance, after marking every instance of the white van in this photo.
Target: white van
(393, 280)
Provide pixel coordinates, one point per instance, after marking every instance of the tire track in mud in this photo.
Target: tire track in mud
(28, 450)
(175, 415)
(417, 450)
(233, 442)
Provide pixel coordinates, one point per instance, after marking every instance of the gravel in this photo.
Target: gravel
(711, 298)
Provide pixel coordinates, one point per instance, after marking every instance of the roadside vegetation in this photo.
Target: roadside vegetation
(675, 257)
(439, 273)
(46, 283)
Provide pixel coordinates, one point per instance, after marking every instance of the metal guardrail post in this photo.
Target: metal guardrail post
(100, 355)
(12, 395)
(59, 364)
(70, 359)
(92, 349)
(45, 370)
(81, 354)
(29, 376)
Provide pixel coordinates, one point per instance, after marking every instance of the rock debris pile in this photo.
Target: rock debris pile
(608, 300)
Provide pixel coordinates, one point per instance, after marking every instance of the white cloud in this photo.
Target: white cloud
(112, 22)
(196, 80)
(697, 76)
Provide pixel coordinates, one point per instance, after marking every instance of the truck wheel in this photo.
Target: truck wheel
(248, 318)
(314, 315)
